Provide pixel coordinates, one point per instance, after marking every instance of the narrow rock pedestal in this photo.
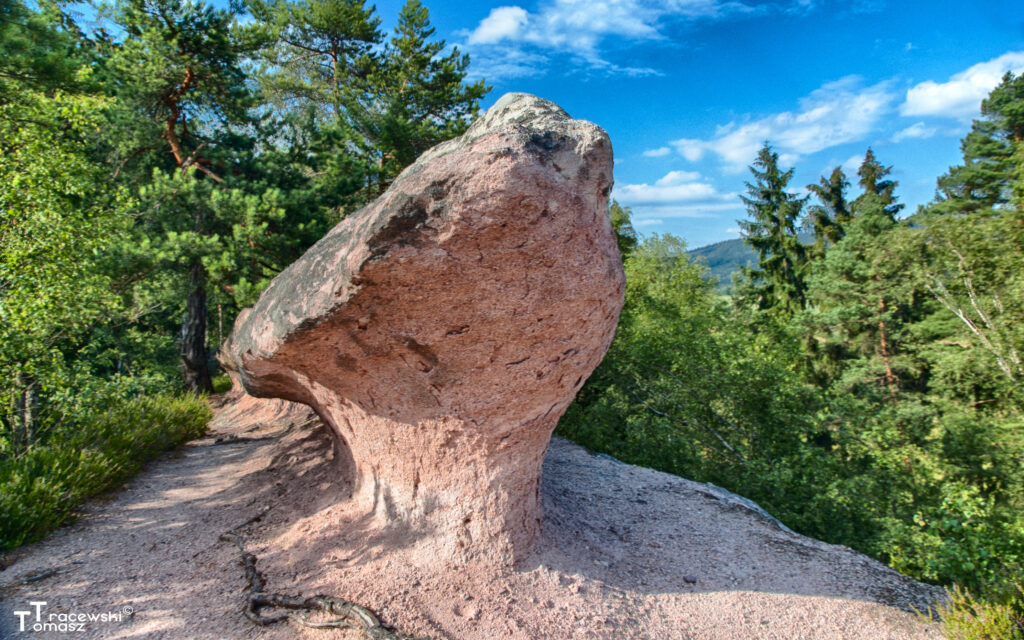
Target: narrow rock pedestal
(442, 330)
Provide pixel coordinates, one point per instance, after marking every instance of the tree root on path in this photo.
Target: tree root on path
(349, 614)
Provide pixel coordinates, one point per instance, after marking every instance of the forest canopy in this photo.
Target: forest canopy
(864, 381)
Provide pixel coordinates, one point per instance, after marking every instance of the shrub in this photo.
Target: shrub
(41, 486)
(965, 618)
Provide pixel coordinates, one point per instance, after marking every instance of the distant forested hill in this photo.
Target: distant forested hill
(724, 258)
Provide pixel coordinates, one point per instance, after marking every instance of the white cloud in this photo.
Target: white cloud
(735, 230)
(580, 24)
(507, 62)
(677, 177)
(502, 23)
(838, 112)
(647, 222)
(852, 165)
(658, 194)
(960, 97)
(578, 27)
(918, 130)
(657, 153)
(687, 211)
(678, 194)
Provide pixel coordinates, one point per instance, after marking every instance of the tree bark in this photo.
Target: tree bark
(194, 360)
(890, 377)
(24, 411)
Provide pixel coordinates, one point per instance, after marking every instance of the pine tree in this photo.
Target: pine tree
(985, 178)
(316, 53)
(179, 84)
(778, 281)
(38, 49)
(415, 97)
(859, 294)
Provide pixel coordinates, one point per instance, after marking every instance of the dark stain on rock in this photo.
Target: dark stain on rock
(544, 144)
(346, 362)
(428, 359)
(401, 229)
(438, 190)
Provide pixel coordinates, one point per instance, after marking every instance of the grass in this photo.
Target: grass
(221, 384)
(965, 617)
(41, 487)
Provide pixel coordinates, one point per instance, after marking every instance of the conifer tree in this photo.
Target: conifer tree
(879, 190)
(984, 180)
(315, 53)
(832, 214)
(778, 281)
(415, 97)
(179, 83)
(858, 291)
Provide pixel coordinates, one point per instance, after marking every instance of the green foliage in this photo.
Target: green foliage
(416, 97)
(878, 190)
(622, 224)
(966, 618)
(895, 418)
(683, 388)
(962, 540)
(312, 51)
(986, 177)
(388, 101)
(56, 217)
(40, 487)
(221, 384)
(36, 51)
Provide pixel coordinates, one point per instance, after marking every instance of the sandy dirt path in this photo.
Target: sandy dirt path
(626, 553)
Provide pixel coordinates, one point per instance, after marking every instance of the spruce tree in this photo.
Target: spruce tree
(778, 281)
(879, 190)
(832, 214)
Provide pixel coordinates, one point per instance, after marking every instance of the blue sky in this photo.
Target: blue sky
(688, 89)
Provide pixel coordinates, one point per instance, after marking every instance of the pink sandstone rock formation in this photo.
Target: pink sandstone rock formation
(239, 412)
(442, 330)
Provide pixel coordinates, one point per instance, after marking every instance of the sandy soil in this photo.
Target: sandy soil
(625, 553)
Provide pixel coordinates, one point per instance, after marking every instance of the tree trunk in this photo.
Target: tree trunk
(890, 377)
(195, 369)
(24, 411)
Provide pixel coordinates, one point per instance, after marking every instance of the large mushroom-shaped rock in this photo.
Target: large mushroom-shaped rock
(442, 330)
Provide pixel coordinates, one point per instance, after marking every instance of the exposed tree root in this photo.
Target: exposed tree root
(348, 615)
